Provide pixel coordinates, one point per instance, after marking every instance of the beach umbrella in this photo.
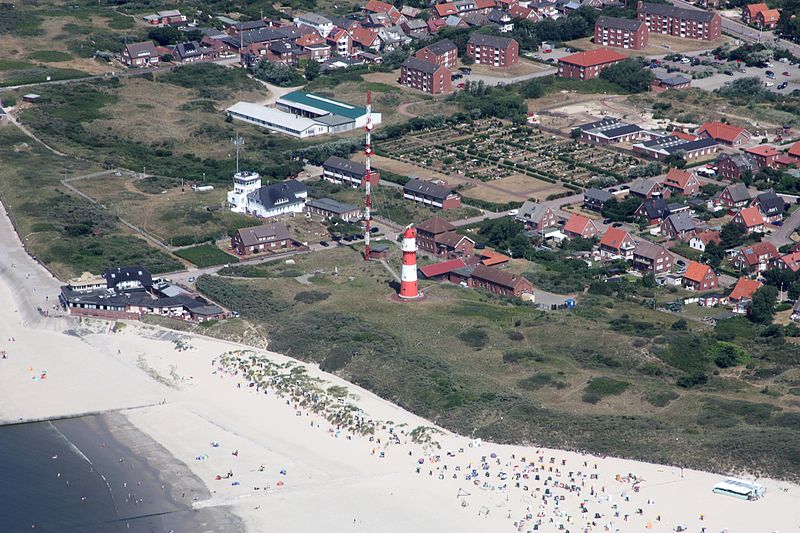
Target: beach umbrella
(280, 483)
(493, 456)
(421, 461)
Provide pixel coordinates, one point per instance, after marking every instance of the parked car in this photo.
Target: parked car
(461, 85)
(324, 243)
(782, 86)
(768, 84)
(191, 279)
(770, 74)
(456, 76)
(786, 74)
(728, 73)
(374, 230)
(465, 70)
(616, 225)
(513, 212)
(479, 246)
(778, 223)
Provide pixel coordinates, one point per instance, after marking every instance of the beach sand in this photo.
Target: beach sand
(281, 466)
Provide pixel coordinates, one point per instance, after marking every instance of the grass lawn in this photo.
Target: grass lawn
(599, 378)
(50, 56)
(686, 251)
(65, 232)
(206, 255)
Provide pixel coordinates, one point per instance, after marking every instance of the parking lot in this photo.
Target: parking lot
(728, 71)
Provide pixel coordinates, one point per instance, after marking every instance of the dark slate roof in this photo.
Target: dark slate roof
(263, 233)
(738, 192)
(618, 23)
(496, 276)
(250, 25)
(490, 40)
(692, 145)
(117, 275)
(196, 305)
(620, 131)
(666, 10)
(265, 35)
(742, 161)
(427, 188)
(655, 207)
(648, 249)
(413, 63)
(435, 225)
(682, 221)
(771, 202)
(345, 165)
(442, 47)
(332, 206)
(141, 49)
(284, 192)
(604, 122)
(284, 46)
(498, 16)
(598, 194)
(190, 49)
(673, 80)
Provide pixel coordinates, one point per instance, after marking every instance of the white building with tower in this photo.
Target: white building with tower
(244, 183)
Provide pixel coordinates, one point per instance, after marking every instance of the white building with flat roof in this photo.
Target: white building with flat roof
(276, 120)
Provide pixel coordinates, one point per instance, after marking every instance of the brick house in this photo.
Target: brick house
(315, 47)
(732, 166)
(755, 258)
(621, 33)
(768, 19)
(444, 52)
(744, 290)
(699, 277)
(733, 196)
(749, 12)
(680, 22)
(617, 244)
(790, 261)
(536, 217)
(770, 205)
(425, 76)
(347, 172)
(431, 193)
(652, 211)
(267, 237)
(340, 42)
(680, 226)
(140, 54)
(650, 257)
(588, 65)
(492, 50)
(438, 237)
(751, 219)
(724, 133)
(681, 182)
(498, 281)
(580, 226)
(648, 188)
(595, 199)
(764, 155)
(193, 52)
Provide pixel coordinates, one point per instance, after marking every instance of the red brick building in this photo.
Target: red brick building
(724, 133)
(760, 15)
(258, 239)
(764, 155)
(588, 65)
(436, 236)
(617, 243)
(650, 257)
(680, 22)
(432, 194)
(749, 12)
(580, 226)
(499, 281)
(681, 182)
(444, 52)
(425, 76)
(492, 50)
(755, 258)
(621, 33)
(699, 277)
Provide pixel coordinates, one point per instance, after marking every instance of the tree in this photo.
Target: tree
(312, 70)
(676, 159)
(166, 35)
(732, 234)
(277, 74)
(762, 306)
(629, 74)
(621, 211)
(680, 325)
(714, 254)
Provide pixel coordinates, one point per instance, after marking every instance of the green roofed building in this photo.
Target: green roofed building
(319, 107)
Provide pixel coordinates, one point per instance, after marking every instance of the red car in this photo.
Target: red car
(786, 74)
(460, 85)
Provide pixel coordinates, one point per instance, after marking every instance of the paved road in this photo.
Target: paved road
(781, 235)
(495, 80)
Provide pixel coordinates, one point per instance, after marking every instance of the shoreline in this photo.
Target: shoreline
(269, 454)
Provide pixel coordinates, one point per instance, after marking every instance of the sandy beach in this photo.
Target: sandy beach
(287, 447)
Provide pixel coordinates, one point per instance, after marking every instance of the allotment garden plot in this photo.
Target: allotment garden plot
(497, 162)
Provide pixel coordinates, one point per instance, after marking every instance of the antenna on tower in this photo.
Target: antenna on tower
(237, 141)
(368, 176)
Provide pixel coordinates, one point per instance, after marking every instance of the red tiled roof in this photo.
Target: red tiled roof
(792, 261)
(484, 4)
(444, 10)
(677, 178)
(614, 238)
(310, 39)
(770, 15)
(744, 288)
(754, 9)
(376, 6)
(751, 217)
(364, 36)
(435, 25)
(435, 225)
(490, 258)
(752, 253)
(576, 224)
(696, 271)
(685, 136)
(591, 58)
(721, 132)
(794, 149)
(786, 160)
(764, 150)
(518, 12)
(497, 276)
(708, 236)
(438, 269)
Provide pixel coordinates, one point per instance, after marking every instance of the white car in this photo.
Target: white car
(513, 212)
(768, 84)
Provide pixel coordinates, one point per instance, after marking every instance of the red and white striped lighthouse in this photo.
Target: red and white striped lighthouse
(408, 275)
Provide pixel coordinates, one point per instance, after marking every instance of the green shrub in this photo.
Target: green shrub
(311, 297)
(605, 386)
(539, 380)
(518, 356)
(206, 255)
(475, 337)
(661, 398)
